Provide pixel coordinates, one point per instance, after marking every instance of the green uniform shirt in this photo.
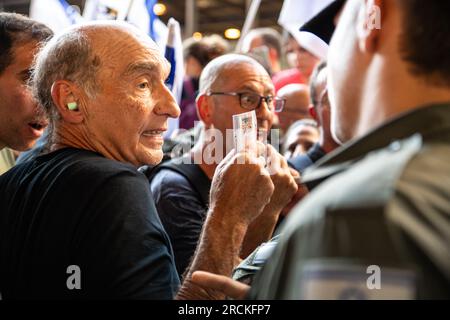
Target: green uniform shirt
(379, 226)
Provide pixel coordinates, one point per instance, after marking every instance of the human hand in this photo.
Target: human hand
(225, 285)
(284, 179)
(302, 192)
(241, 186)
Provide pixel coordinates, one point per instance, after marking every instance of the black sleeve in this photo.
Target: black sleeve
(182, 214)
(124, 251)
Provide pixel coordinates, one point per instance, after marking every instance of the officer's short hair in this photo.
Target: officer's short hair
(16, 29)
(425, 39)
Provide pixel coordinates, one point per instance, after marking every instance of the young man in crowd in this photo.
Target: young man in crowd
(21, 121)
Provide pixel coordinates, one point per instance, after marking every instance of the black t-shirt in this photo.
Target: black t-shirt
(182, 212)
(75, 208)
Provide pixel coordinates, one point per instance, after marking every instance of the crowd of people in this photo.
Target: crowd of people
(349, 173)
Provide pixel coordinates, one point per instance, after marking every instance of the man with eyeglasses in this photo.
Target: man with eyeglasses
(319, 109)
(229, 85)
(79, 221)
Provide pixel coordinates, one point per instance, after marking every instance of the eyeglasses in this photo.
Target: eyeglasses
(252, 101)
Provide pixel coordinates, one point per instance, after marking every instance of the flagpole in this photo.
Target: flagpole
(128, 10)
(250, 19)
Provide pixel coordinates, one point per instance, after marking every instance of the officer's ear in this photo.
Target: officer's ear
(66, 98)
(204, 110)
(369, 24)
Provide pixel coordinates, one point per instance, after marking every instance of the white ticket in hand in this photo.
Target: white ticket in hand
(245, 131)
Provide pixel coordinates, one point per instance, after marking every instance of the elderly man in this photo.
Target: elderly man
(79, 222)
(21, 123)
(320, 110)
(296, 107)
(229, 85)
(377, 229)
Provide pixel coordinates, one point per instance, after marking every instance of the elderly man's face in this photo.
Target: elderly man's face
(128, 117)
(244, 77)
(21, 121)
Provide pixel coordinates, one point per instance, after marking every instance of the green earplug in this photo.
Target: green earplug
(72, 106)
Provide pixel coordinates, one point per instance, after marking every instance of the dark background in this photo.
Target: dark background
(214, 16)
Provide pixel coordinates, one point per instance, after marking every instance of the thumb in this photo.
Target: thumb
(223, 284)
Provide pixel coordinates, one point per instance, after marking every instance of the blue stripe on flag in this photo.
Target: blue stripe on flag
(150, 4)
(71, 13)
(170, 56)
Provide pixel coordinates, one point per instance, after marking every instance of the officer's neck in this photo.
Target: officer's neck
(390, 92)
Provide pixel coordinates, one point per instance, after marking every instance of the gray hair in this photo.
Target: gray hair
(68, 56)
(213, 70)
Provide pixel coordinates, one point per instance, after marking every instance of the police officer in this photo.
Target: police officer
(378, 227)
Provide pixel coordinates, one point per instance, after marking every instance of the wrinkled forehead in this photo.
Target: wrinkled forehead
(234, 72)
(144, 59)
(125, 49)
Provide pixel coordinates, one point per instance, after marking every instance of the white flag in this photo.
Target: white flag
(136, 12)
(56, 14)
(106, 9)
(296, 13)
(174, 54)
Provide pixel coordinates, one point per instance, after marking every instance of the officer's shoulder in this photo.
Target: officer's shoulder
(424, 180)
(372, 180)
(431, 163)
(368, 183)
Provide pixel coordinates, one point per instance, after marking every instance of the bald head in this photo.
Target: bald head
(296, 95)
(213, 73)
(96, 78)
(297, 104)
(109, 38)
(230, 85)
(79, 53)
